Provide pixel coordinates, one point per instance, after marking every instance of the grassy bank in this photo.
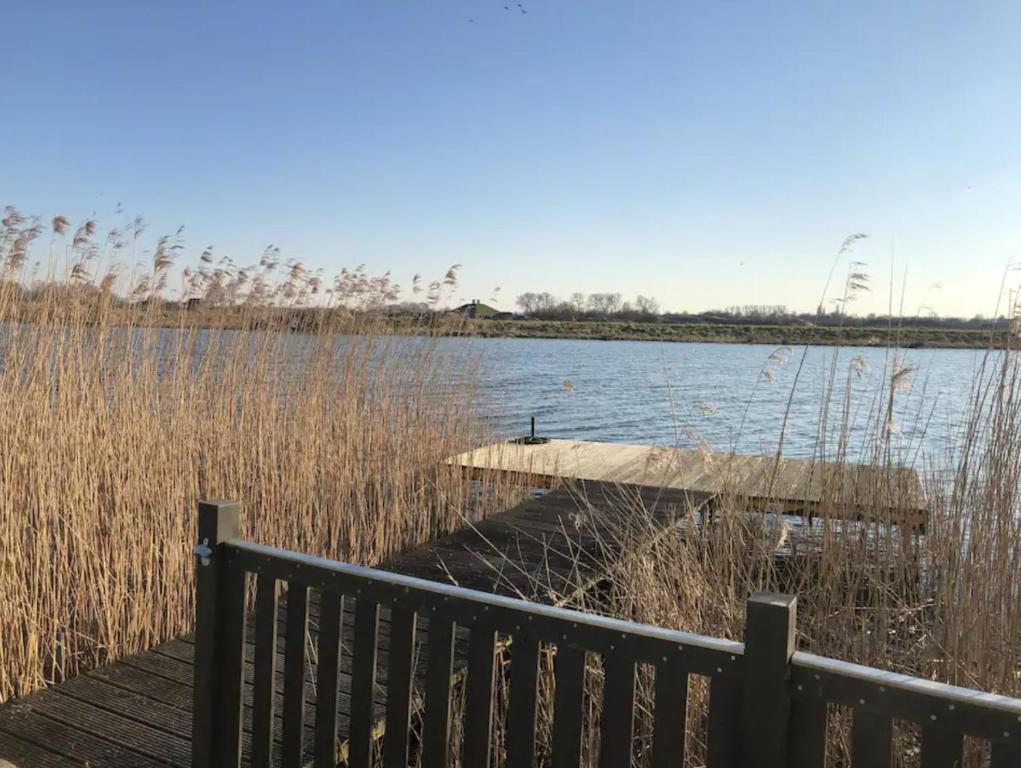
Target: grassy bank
(437, 323)
(786, 335)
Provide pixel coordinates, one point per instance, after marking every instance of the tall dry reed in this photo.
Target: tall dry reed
(943, 603)
(119, 411)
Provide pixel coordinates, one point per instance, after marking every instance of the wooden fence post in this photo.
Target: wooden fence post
(769, 638)
(219, 639)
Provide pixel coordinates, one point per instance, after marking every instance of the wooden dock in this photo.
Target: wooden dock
(137, 712)
(788, 486)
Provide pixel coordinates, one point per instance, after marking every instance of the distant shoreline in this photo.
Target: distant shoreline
(719, 333)
(451, 325)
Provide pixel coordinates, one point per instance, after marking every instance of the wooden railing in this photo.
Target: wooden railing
(768, 705)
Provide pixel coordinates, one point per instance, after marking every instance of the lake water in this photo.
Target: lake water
(727, 396)
(732, 396)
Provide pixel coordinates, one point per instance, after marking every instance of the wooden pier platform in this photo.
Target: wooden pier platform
(136, 713)
(788, 486)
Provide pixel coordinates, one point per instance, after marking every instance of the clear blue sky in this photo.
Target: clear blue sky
(706, 154)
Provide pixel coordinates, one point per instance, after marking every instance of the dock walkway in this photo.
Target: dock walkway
(763, 483)
(136, 713)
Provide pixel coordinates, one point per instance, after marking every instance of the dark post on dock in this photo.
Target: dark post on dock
(769, 644)
(219, 638)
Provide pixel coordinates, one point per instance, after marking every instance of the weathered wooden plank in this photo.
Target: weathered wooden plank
(294, 676)
(671, 707)
(724, 718)
(181, 653)
(941, 748)
(524, 680)
(172, 659)
(148, 687)
(871, 740)
(539, 541)
(399, 687)
(153, 708)
(143, 708)
(618, 710)
(219, 610)
(328, 680)
(363, 683)
(264, 655)
(797, 486)
(164, 705)
(568, 697)
(478, 716)
(24, 753)
(74, 743)
(230, 662)
(117, 729)
(1004, 755)
(631, 464)
(436, 720)
(807, 743)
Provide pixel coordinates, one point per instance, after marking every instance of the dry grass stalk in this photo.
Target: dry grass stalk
(112, 427)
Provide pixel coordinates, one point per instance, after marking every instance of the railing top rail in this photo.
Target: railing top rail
(895, 681)
(309, 569)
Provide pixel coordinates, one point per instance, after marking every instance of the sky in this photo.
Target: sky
(706, 154)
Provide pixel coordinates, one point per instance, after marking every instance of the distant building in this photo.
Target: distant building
(476, 309)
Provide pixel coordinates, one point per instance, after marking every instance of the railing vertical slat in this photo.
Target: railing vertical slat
(398, 687)
(724, 714)
(331, 611)
(568, 700)
(219, 639)
(232, 626)
(440, 669)
(363, 683)
(618, 710)
(941, 748)
(744, 689)
(266, 597)
(524, 681)
(807, 744)
(478, 714)
(1004, 755)
(671, 702)
(871, 740)
(295, 630)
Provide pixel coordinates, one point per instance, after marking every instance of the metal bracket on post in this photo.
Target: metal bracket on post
(218, 522)
(203, 552)
(770, 623)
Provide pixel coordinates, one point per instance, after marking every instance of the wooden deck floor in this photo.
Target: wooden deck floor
(137, 712)
(790, 486)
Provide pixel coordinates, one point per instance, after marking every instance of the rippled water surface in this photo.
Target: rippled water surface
(728, 396)
(732, 396)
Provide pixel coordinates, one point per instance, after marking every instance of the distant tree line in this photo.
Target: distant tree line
(613, 306)
(592, 306)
